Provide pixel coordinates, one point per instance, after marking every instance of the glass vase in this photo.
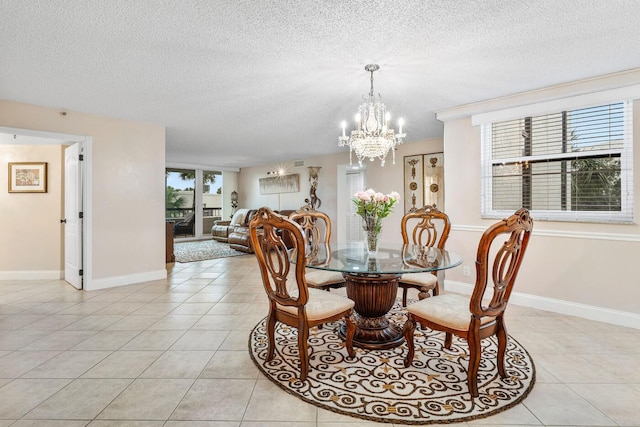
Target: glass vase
(372, 237)
(372, 228)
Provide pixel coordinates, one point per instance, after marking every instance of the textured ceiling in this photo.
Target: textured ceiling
(239, 83)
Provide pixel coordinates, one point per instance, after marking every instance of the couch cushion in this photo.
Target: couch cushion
(239, 216)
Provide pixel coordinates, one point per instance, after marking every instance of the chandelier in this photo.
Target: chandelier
(372, 138)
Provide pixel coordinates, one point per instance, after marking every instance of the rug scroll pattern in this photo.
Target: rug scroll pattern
(377, 386)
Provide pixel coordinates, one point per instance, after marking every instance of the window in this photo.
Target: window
(572, 165)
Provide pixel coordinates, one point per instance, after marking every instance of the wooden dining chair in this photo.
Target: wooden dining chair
(475, 319)
(294, 304)
(430, 227)
(316, 226)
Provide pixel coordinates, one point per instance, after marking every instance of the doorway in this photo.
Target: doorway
(72, 176)
(350, 180)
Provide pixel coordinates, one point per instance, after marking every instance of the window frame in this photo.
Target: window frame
(624, 216)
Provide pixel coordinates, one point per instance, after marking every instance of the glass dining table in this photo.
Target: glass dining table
(372, 283)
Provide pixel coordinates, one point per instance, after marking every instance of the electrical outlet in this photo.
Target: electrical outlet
(466, 271)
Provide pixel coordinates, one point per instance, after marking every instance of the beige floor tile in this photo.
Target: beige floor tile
(157, 308)
(620, 402)
(22, 395)
(123, 364)
(231, 364)
(518, 415)
(68, 364)
(15, 364)
(215, 399)
(129, 423)
(573, 368)
(120, 308)
(193, 308)
(200, 340)
(85, 308)
(60, 340)
(237, 340)
(178, 364)
(16, 340)
(94, 322)
(19, 321)
(557, 404)
(134, 322)
(153, 340)
(49, 423)
(147, 399)
(220, 322)
(202, 424)
(94, 394)
(179, 322)
(106, 340)
(270, 403)
(55, 322)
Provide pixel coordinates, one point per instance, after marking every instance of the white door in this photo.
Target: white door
(353, 225)
(72, 212)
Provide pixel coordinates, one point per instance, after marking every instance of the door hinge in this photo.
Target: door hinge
(80, 214)
(81, 272)
(81, 157)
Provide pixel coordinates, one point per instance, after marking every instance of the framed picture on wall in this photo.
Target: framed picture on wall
(280, 184)
(28, 177)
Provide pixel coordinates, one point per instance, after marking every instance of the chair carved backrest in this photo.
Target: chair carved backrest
(316, 226)
(427, 226)
(266, 229)
(505, 265)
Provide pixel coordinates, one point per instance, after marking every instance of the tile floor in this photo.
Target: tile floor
(174, 353)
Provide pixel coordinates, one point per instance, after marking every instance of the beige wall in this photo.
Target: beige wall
(571, 263)
(31, 229)
(127, 162)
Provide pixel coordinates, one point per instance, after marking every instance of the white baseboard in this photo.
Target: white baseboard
(130, 279)
(600, 314)
(32, 275)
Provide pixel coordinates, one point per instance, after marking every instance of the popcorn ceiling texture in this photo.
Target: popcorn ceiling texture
(241, 83)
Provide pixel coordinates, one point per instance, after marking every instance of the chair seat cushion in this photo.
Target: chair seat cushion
(321, 304)
(449, 310)
(425, 279)
(320, 278)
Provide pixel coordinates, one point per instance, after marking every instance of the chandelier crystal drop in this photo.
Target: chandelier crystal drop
(372, 137)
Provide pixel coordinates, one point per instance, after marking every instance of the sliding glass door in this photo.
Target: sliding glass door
(192, 201)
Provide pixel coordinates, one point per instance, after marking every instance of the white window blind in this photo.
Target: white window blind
(573, 165)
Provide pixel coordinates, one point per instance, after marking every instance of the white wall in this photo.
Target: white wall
(127, 188)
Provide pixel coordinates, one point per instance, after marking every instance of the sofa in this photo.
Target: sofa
(237, 231)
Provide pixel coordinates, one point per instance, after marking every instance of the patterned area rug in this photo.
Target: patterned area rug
(202, 250)
(376, 386)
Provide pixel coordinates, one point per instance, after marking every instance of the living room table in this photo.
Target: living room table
(372, 283)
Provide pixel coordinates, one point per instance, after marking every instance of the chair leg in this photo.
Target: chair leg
(351, 331)
(404, 296)
(271, 337)
(303, 338)
(501, 333)
(407, 330)
(475, 354)
(447, 340)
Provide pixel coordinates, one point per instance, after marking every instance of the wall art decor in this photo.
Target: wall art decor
(413, 183)
(28, 177)
(434, 180)
(423, 181)
(280, 184)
